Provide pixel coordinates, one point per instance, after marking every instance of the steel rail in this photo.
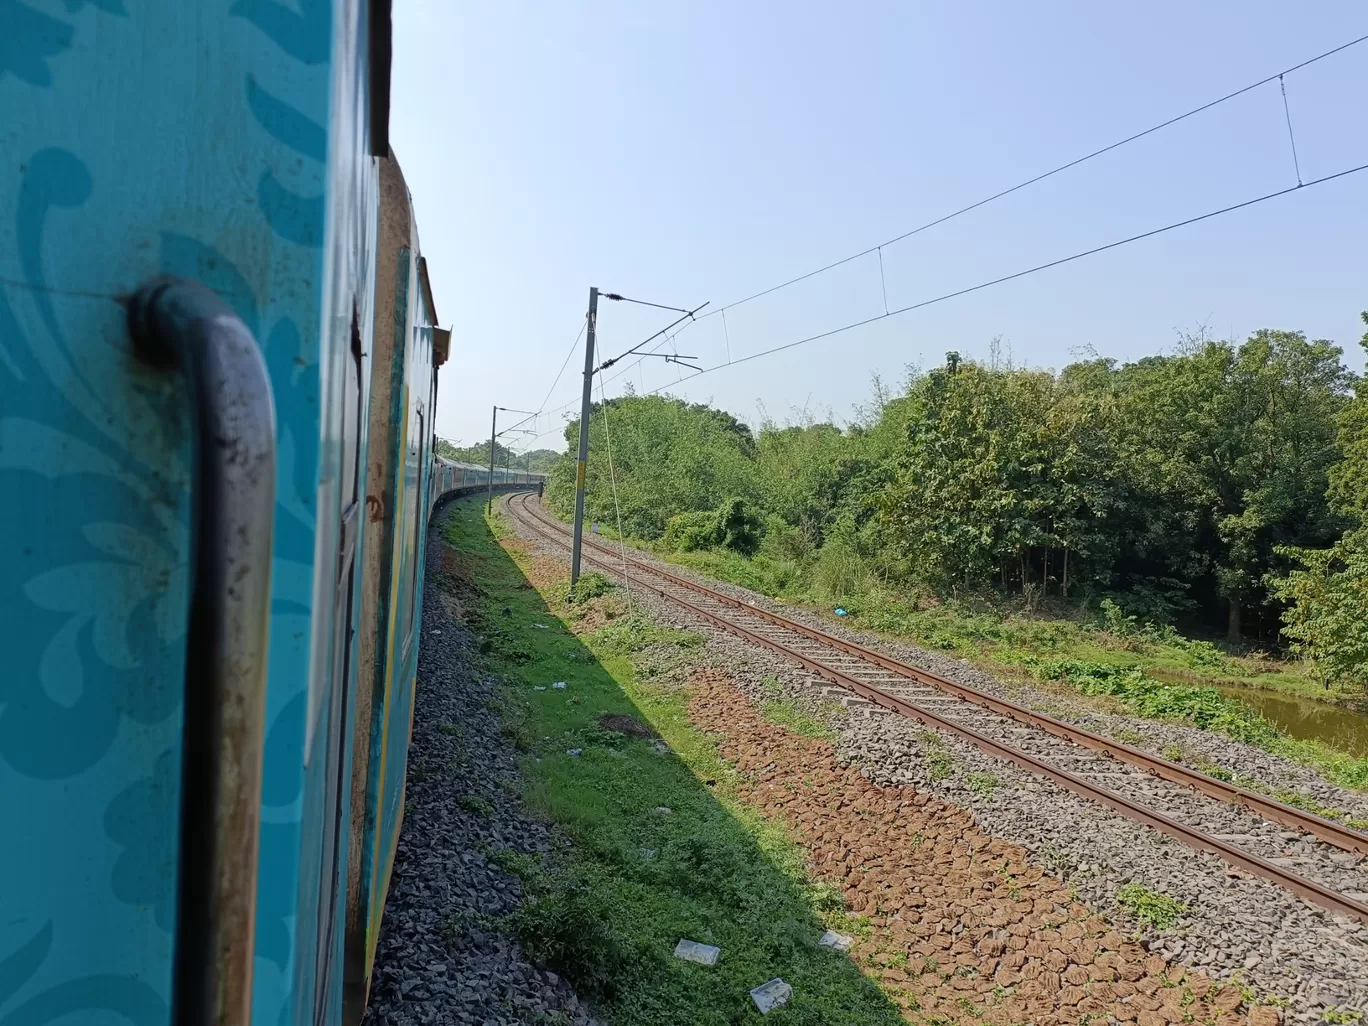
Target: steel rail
(1269, 808)
(1308, 889)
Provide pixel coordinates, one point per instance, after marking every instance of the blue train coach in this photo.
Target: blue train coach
(219, 363)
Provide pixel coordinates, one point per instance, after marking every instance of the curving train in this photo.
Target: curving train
(219, 365)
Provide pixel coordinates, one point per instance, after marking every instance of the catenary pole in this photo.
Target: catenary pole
(581, 464)
(493, 423)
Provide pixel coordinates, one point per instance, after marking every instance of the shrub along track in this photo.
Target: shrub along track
(1178, 801)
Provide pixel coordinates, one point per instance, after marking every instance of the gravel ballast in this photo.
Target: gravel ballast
(1241, 758)
(442, 958)
(1234, 926)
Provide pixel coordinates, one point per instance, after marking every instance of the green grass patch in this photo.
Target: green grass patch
(637, 633)
(786, 713)
(526, 868)
(457, 925)
(1216, 770)
(1341, 1016)
(591, 586)
(476, 805)
(1293, 797)
(1158, 910)
(939, 761)
(775, 577)
(982, 784)
(940, 764)
(662, 848)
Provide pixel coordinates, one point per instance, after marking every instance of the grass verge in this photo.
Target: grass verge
(662, 847)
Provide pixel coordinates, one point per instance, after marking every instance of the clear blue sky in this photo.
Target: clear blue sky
(703, 150)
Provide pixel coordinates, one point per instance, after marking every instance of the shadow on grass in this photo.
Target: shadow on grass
(661, 850)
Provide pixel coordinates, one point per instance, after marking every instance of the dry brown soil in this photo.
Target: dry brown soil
(962, 927)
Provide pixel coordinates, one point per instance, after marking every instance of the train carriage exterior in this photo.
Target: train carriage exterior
(229, 144)
(218, 373)
(399, 495)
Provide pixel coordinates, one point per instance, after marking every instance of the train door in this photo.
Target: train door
(337, 795)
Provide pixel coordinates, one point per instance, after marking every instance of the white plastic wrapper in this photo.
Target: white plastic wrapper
(769, 996)
(836, 941)
(692, 951)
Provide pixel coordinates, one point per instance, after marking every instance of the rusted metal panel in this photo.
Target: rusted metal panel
(392, 318)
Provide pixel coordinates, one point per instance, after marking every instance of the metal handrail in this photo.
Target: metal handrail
(172, 323)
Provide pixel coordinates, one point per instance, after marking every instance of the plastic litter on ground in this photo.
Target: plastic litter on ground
(693, 951)
(769, 996)
(836, 941)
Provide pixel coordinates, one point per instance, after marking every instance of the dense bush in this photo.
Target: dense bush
(1202, 488)
(1204, 707)
(567, 924)
(838, 572)
(668, 457)
(591, 586)
(734, 525)
(689, 532)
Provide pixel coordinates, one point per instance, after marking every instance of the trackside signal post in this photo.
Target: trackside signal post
(582, 462)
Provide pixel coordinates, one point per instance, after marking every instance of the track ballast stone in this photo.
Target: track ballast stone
(442, 957)
(1237, 756)
(1236, 927)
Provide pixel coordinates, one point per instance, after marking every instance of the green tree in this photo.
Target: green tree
(667, 457)
(1004, 476)
(801, 473)
(1349, 477)
(1178, 484)
(1327, 591)
(1326, 596)
(538, 461)
(1230, 449)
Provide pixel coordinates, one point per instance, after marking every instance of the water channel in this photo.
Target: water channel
(1339, 726)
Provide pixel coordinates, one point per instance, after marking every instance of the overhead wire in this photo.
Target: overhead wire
(1276, 76)
(1300, 186)
(620, 372)
(687, 315)
(565, 363)
(983, 202)
(1296, 164)
(1023, 273)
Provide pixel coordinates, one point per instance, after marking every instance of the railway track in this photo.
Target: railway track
(1164, 795)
